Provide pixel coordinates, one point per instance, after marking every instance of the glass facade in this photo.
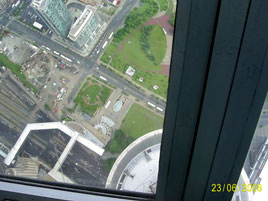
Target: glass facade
(90, 33)
(56, 15)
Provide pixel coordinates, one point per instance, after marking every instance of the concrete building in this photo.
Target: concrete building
(136, 168)
(25, 167)
(55, 14)
(75, 136)
(87, 29)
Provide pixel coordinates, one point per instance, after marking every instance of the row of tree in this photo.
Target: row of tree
(145, 44)
(137, 17)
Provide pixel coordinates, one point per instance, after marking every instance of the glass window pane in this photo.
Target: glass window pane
(253, 181)
(83, 90)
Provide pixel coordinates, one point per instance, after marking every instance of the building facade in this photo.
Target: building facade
(55, 14)
(87, 29)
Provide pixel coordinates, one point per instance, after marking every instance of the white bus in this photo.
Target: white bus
(164, 31)
(160, 109)
(152, 105)
(103, 78)
(111, 35)
(56, 53)
(104, 45)
(18, 2)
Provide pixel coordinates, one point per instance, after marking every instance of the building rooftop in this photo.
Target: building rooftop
(136, 168)
(38, 4)
(81, 23)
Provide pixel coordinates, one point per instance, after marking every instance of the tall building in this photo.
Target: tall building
(87, 29)
(55, 14)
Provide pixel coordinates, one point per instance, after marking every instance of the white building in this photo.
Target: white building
(130, 71)
(87, 29)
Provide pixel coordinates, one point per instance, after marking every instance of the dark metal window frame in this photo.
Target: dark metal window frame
(217, 88)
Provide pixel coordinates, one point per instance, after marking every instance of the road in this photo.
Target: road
(88, 64)
(115, 23)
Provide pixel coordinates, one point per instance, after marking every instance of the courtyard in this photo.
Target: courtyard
(92, 96)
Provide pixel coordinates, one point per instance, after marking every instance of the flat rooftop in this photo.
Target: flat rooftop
(136, 168)
(80, 24)
(38, 4)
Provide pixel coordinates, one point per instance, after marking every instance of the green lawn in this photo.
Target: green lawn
(16, 69)
(172, 19)
(134, 126)
(158, 43)
(170, 8)
(150, 79)
(119, 142)
(146, 61)
(140, 121)
(108, 164)
(92, 91)
(163, 4)
(136, 57)
(109, 52)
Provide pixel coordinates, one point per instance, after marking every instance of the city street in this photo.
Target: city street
(87, 65)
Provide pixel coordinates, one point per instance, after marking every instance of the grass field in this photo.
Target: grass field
(108, 164)
(145, 67)
(93, 92)
(163, 4)
(110, 50)
(92, 96)
(170, 8)
(16, 69)
(134, 126)
(140, 121)
(158, 45)
(119, 142)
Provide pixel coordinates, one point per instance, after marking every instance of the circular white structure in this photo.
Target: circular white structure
(136, 169)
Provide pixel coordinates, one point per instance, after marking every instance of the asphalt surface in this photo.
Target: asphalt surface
(30, 16)
(86, 64)
(115, 23)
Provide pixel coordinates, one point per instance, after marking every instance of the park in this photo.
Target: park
(92, 96)
(141, 44)
(134, 126)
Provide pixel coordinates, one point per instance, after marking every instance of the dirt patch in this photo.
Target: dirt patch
(165, 70)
